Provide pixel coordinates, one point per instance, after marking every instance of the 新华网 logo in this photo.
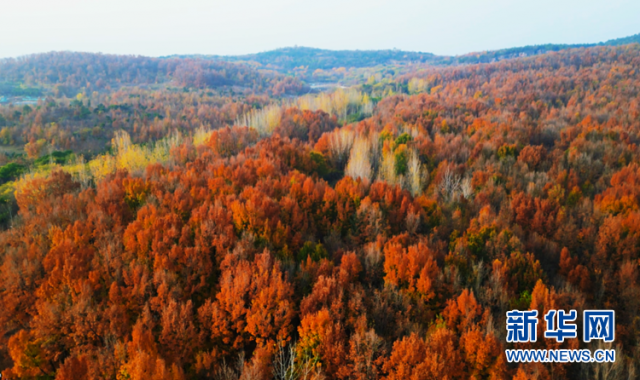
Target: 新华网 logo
(599, 324)
(522, 327)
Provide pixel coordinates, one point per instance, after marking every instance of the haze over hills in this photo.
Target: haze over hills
(67, 73)
(289, 58)
(70, 72)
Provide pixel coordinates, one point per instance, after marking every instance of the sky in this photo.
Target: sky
(231, 27)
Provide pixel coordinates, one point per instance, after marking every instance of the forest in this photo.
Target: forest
(303, 61)
(187, 218)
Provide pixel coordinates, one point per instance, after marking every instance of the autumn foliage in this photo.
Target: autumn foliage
(387, 248)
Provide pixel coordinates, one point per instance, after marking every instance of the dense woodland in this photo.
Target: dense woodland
(288, 59)
(307, 63)
(71, 72)
(191, 231)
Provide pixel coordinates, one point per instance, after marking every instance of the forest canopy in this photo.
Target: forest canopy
(69, 72)
(193, 219)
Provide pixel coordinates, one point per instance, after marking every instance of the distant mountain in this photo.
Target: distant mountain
(525, 51)
(623, 41)
(290, 58)
(287, 59)
(71, 72)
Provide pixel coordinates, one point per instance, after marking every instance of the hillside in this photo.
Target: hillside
(69, 73)
(622, 41)
(288, 59)
(375, 232)
(492, 56)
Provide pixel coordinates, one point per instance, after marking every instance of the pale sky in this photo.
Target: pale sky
(164, 27)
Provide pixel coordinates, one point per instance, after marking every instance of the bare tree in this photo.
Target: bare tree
(606, 371)
(368, 346)
(241, 371)
(387, 171)
(359, 165)
(417, 175)
(83, 174)
(264, 120)
(412, 221)
(466, 188)
(450, 185)
(288, 366)
(340, 143)
(226, 372)
(372, 257)
(284, 363)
